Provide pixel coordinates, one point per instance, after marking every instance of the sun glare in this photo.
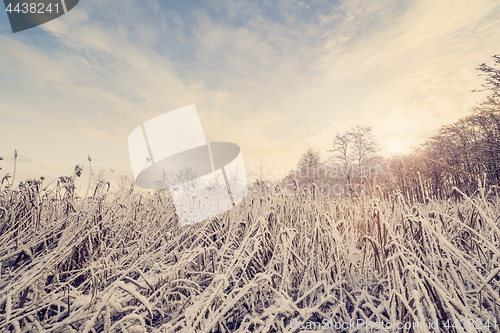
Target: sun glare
(395, 146)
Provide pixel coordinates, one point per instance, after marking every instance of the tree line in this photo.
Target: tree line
(464, 154)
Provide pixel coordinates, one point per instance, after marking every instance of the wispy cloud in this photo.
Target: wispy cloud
(273, 76)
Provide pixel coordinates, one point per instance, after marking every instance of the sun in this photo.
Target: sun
(395, 146)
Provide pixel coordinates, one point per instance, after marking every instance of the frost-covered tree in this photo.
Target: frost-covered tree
(309, 167)
(354, 152)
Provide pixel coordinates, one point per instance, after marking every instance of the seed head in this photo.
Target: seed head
(78, 170)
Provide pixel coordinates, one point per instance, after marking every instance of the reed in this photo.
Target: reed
(124, 263)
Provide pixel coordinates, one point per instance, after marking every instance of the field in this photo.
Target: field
(119, 262)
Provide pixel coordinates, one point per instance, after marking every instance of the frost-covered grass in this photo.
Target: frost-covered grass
(120, 262)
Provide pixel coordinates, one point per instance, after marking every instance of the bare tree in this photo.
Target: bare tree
(356, 147)
(364, 145)
(309, 167)
(492, 81)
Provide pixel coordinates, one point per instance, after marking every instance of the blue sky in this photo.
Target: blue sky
(274, 77)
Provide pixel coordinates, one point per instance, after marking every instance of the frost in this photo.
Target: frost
(126, 265)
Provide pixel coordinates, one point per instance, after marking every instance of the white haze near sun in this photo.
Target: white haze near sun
(395, 146)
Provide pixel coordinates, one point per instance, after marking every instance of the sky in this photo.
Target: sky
(273, 76)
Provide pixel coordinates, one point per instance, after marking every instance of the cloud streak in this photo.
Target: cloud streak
(273, 76)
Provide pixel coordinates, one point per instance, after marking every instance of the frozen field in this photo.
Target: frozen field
(121, 263)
